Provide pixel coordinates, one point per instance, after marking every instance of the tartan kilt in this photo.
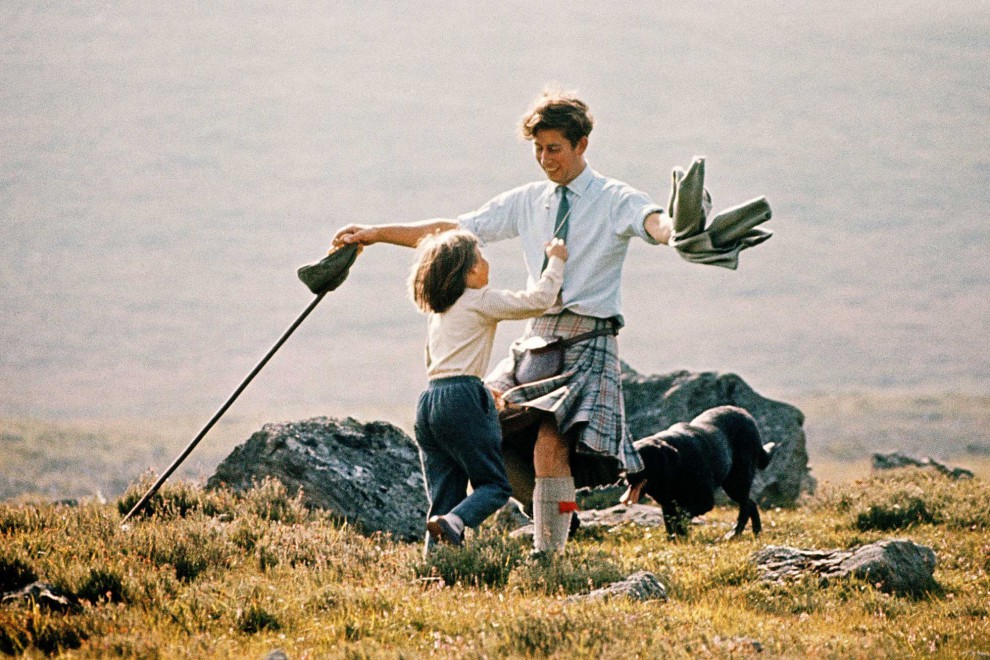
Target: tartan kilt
(585, 399)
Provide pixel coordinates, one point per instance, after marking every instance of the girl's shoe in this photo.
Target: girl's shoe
(443, 531)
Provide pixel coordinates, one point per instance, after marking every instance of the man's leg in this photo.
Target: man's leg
(553, 497)
(519, 470)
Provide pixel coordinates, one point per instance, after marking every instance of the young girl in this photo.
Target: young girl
(457, 426)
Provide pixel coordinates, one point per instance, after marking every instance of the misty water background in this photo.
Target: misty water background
(166, 167)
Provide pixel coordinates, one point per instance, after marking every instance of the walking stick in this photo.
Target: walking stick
(321, 278)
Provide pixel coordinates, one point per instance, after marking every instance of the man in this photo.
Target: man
(582, 407)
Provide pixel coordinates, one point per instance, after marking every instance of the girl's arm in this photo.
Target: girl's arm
(500, 304)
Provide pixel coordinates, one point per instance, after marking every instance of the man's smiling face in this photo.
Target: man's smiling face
(560, 160)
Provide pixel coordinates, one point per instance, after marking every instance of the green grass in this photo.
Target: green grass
(213, 574)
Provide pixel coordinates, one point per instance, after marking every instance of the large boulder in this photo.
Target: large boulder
(654, 403)
(897, 566)
(368, 474)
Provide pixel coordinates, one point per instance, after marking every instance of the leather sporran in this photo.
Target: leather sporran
(539, 359)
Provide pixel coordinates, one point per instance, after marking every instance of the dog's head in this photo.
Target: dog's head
(660, 460)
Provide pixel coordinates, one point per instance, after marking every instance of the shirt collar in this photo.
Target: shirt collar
(580, 183)
(578, 186)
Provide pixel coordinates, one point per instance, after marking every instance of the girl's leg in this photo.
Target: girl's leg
(479, 450)
(446, 480)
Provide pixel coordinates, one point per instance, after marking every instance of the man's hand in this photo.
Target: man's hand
(660, 227)
(633, 494)
(360, 234)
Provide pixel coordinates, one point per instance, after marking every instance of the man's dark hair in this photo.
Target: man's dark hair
(560, 110)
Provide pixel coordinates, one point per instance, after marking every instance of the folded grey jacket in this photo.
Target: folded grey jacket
(730, 232)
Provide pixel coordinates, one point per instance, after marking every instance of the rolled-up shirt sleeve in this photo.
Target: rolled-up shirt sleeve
(631, 207)
(497, 220)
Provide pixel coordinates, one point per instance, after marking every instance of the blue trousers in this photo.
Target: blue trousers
(460, 442)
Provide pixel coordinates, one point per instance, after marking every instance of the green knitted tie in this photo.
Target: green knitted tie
(560, 225)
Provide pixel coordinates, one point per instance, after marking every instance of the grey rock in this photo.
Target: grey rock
(639, 514)
(366, 473)
(654, 403)
(898, 460)
(897, 566)
(643, 515)
(511, 517)
(601, 497)
(44, 595)
(640, 586)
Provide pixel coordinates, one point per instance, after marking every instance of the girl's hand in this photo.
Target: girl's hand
(557, 248)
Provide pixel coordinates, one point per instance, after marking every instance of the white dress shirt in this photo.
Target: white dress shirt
(604, 215)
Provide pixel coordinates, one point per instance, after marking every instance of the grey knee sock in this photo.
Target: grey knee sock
(553, 506)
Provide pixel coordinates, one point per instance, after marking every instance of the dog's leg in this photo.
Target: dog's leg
(741, 520)
(747, 511)
(669, 520)
(754, 514)
(704, 501)
(675, 519)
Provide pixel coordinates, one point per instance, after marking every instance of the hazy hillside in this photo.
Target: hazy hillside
(165, 169)
(80, 460)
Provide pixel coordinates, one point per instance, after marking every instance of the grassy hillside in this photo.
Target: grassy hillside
(214, 575)
(81, 459)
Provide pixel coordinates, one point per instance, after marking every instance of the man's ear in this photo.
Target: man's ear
(581, 145)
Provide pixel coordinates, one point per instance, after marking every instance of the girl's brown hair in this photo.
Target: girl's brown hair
(439, 275)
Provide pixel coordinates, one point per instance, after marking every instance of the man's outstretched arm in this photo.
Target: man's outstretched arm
(407, 235)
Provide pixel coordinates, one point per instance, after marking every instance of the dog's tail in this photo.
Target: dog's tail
(765, 455)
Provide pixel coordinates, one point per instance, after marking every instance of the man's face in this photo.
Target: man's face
(561, 161)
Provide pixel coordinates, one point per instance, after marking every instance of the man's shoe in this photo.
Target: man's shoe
(443, 532)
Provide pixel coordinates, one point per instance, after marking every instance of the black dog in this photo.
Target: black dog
(687, 463)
